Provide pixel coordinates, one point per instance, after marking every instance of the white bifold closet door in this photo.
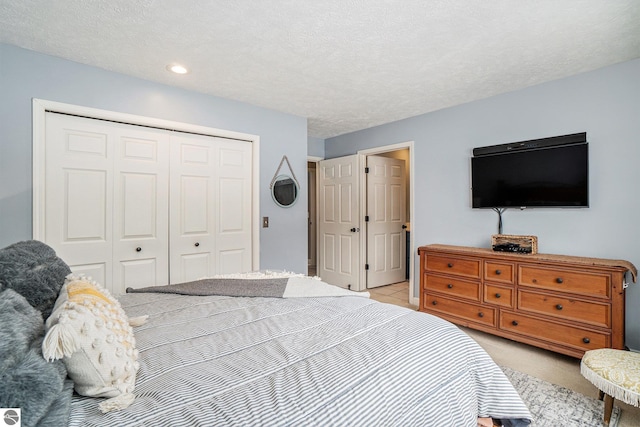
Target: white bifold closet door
(210, 207)
(133, 206)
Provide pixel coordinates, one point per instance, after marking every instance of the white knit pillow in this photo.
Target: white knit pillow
(90, 332)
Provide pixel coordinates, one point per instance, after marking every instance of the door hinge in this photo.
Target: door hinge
(366, 266)
(366, 169)
(366, 218)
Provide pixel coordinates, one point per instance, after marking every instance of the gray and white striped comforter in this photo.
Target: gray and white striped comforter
(342, 361)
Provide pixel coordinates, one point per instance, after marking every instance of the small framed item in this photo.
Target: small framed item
(514, 243)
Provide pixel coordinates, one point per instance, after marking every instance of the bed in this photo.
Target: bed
(301, 359)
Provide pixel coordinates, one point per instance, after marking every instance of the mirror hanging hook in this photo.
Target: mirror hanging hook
(293, 175)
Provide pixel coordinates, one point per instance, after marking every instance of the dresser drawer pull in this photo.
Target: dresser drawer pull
(558, 306)
(498, 272)
(586, 340)
(481, 314)
(434, 302)
(559, 280)
(498, 295)
(450, 286)
(514, 322)
(450, 265)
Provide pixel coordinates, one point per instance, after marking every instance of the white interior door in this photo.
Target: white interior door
(135, 206)
(386, 209)
(233, 215)
(106, 197)
(210, 207)
(339, 222)
(192, 217)
(78, 194)
(140, 201)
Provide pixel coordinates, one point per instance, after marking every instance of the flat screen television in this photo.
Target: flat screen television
(532, 174)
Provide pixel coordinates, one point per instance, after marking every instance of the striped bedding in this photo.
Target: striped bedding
(342, 361)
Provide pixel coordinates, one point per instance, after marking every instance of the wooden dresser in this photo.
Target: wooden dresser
(561, 303)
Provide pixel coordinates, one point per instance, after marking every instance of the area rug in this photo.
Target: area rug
(554, 406)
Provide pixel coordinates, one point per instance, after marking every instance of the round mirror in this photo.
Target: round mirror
(284, 191)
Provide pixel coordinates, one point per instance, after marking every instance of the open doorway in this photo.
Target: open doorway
(345, 258)
(311, 218)
(393, 285)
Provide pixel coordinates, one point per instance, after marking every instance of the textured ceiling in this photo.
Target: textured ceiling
(344, 64)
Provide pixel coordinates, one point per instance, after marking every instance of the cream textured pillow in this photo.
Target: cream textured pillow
(90, 332)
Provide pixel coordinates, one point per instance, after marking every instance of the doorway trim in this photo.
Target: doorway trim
(40, 108)
(385, 149)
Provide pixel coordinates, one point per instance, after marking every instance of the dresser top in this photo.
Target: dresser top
(597, 262)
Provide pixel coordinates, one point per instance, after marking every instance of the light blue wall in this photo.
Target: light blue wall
(25, 75)
(315, 147)
(604, 103)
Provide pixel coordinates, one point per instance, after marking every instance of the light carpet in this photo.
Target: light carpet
(553, 406)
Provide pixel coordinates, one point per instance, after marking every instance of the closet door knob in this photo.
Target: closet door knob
(138, 249)
(197, 244)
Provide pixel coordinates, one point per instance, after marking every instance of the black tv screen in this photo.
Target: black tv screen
(544, 177)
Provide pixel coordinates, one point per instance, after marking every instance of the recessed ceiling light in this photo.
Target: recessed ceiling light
(177, 68)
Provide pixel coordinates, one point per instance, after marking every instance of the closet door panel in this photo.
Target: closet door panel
(192, 208)
(141, 200)
(78, 197)
(195, 266)
(138, 273)
(234, 206)
(195, 209)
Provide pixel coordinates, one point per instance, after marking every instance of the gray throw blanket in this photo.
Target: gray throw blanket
(27, 381)
(287, 287)
(31, 276)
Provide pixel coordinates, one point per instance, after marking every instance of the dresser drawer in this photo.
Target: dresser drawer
(465, 267)
(463, 310)
(593, 313)
(498, 295)
(552, 332)
(499, 272)
(452, 286)
(561, 280)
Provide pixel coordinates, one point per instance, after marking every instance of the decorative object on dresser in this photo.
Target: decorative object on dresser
(519, 244)
(562, 303)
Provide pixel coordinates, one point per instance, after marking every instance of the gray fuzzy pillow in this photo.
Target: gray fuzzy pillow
(27, 381)
(32, 269)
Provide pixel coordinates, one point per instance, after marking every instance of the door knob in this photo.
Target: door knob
(404, 226)
(354, 229)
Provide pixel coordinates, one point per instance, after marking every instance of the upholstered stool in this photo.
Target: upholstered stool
(616, 373)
